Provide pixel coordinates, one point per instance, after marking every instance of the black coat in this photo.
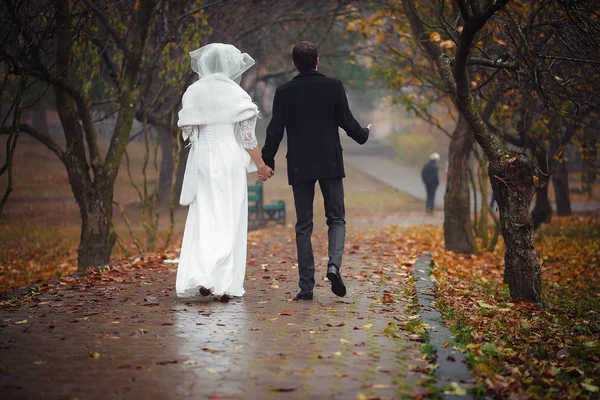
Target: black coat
(429, 174)
(311, 107)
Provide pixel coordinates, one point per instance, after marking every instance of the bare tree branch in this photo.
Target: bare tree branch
(42, 138)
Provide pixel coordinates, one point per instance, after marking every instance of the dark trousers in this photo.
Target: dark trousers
(429, 203)
(335, 211)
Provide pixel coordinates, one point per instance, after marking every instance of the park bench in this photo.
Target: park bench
(259, 214)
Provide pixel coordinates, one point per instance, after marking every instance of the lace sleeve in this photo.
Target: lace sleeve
(246, 129)
(186, 132)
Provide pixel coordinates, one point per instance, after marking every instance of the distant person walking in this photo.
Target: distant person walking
(429, 174)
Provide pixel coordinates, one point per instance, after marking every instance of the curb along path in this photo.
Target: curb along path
(452, 374)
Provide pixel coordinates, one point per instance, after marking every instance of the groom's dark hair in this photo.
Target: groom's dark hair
(305, 56)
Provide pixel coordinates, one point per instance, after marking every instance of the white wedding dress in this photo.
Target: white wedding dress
(213, 251)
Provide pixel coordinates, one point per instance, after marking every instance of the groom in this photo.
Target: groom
(311, 107)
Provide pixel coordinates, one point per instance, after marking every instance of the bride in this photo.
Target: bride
(218, 119)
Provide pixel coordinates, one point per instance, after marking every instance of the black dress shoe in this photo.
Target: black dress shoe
(304, 296)
(337, 284)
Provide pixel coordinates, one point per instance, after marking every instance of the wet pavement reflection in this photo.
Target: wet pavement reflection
(133, 339)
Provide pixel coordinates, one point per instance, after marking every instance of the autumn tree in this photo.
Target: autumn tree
(66, 45)
(407, 55)
(514, 176)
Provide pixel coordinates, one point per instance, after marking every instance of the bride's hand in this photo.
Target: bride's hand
(265, 172)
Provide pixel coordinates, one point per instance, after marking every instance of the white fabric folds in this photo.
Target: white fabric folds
(220, 58)
(215, 99)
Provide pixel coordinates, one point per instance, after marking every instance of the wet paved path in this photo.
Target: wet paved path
(122, 334)
(377, 159)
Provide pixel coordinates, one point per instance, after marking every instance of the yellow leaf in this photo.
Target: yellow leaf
(189, 362)
(94, 354)
(589, 387)
(379, 386)
(434, 37)
(455, 389)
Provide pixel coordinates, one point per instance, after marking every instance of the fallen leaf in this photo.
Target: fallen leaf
(589, 387)
(167, 362)
(212, 351)
(94, 354)
(387, 298)
(378, 386)
(151, 299)
(415, 338)
(483, 304)
(285, 389)
(454, 389)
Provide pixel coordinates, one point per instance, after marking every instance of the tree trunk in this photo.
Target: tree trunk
(482, 225)
(542, 212)
(590, 156)
(97, 234)
(521, 270)
(560, 180)
(458, 233)
(513, 176)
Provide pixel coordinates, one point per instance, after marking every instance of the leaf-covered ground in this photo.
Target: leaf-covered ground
(123, 333)
(519, 350)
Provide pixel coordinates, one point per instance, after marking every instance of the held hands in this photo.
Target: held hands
(265, 172)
